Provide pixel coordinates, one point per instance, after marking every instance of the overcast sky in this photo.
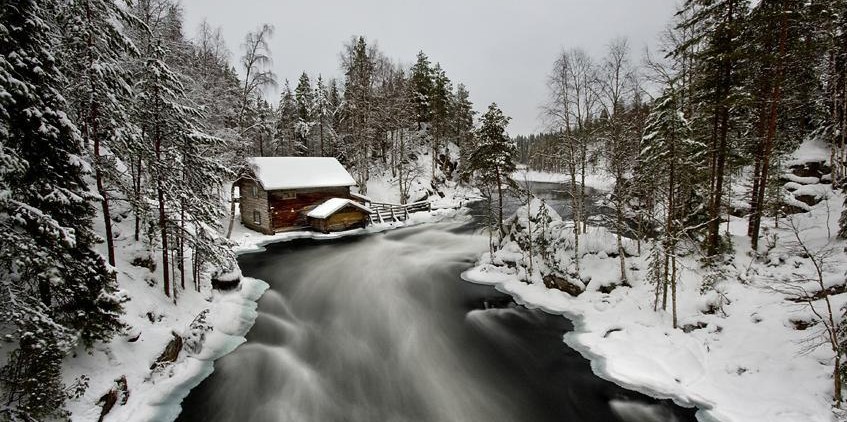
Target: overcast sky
(501, 49)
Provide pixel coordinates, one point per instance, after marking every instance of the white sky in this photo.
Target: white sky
(501, 49)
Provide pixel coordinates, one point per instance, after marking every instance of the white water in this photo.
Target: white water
(381, 328)
(351, 343)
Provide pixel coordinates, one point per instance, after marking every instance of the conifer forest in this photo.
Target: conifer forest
(187, 233)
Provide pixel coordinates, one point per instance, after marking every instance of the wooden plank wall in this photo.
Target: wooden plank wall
(291, 212)
(345, 218)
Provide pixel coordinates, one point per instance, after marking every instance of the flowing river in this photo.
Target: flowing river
(381, 327)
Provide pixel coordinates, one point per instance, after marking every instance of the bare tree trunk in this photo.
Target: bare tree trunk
(137, 192)
(231, 210)
(619, 240)
(160, 194)
(500, 204)
(101, 189)
(164, 233)
(673, 290)
(92, 128)
(763, 156)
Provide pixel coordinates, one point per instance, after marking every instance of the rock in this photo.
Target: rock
(808, 199)
(226, 284)
(144, 262)
(134, 338)
(553, 281)
(687, 328)
(801, 325)
(811, 169)
(788, 209)
(171, 352)
(108, 400)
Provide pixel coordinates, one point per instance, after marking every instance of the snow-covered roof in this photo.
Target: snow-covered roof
(275, 173)
(330, 206)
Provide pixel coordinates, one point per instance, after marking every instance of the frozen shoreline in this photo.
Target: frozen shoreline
(530, 296)
(745, 362)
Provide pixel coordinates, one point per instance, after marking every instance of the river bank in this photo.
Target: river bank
(742, 352)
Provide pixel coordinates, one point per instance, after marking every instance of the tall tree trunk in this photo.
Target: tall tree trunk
(231, 210)
(181, 243)
(763, 156)
(673, 291)
(500, 204)
(136, 185)
(92, 132)
(160, 194)
(101, 188)
(619, 238)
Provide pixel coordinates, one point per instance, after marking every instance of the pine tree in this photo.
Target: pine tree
(100, 91)
(777, 81)
(359, 134)
(671, 159)
(423, 83)
(492, 162)
(719, 25)
(441, 105)
(286, 124)
(463, 124)
(304, 99)
(54, 288)
(324, 117)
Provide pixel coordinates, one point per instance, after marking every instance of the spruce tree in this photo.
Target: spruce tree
(423, 82)
(54, 288)
(719, 25)
(304, 99)
(463, 124)
(100, 92)
(492, 162)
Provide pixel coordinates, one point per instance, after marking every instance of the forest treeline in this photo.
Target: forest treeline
(112, 111)
(735, 85)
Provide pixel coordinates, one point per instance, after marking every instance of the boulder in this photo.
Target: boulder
(553, 281)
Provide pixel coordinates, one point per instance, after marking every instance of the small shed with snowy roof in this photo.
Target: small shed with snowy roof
(338, 214)
(280, 192)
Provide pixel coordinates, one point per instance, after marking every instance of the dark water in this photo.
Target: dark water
(556, 195)
(382, 328)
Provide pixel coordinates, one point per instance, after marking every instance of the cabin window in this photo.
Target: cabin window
(255, 191)
(288, 195)
(257, 217)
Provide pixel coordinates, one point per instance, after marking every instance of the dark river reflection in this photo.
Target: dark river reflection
(382, 328)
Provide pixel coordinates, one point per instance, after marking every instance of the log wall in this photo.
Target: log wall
(249, 203)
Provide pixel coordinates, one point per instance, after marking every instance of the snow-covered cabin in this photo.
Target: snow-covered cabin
(280, 192)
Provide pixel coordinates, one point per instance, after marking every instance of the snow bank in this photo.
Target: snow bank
(212, 324)
(810, 151)
(738, 355)
(231, 314)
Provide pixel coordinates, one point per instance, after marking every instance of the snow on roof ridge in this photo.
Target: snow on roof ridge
(332, 205)
(276, 173)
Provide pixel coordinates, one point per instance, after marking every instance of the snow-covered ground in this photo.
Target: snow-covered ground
(383, 187)
(751, 359)
(213, 323)
(153, 319)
